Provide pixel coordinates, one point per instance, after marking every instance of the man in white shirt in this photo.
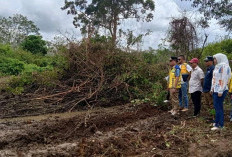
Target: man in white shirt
(195, 85)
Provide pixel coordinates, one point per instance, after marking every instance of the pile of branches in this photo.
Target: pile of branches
(91, 77)
(101, 74)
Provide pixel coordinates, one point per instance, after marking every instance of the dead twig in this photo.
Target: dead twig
(73, 89)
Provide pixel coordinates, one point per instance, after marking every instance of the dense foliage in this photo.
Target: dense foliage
(224, 46)
(107, 14)
(26, 68)
(34, 44)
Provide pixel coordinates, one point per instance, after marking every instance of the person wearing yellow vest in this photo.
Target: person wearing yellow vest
(185, 72)
(174, 84)
(230, 91)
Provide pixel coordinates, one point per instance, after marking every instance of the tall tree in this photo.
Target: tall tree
(219, 9)
(107, 14)
(13, 30)
(183, 36)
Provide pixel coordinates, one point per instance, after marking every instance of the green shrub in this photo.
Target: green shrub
(141, 77)
(224, 46)
(28, 58)
(17, 84)
(5, 49)
(146, 77)
(11, 66)
(27, 68)
(159, 93)
(34, 44)
(47, 78)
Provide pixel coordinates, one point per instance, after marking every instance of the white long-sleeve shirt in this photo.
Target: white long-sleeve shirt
(221, 77)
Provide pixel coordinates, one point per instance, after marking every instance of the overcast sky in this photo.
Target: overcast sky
(51, 20)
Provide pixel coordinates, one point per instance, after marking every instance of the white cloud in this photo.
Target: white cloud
(165, 10)
(184, 5)
(47, 15)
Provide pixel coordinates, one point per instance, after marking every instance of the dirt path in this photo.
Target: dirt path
(129, 130)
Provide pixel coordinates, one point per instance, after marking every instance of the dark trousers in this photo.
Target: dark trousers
(218, 105)
(168, 95)
(196, 98)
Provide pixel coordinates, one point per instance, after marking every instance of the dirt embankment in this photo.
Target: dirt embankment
(27, 105)
(129, 130)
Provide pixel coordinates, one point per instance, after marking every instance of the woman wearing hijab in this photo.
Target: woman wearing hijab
(221, 77)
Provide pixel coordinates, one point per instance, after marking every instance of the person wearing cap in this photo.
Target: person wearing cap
(174, 84)
(195, 85)
(185, 72)
(219, 89)
(208, 81)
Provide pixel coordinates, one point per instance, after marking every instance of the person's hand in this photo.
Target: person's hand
(219, 94)
(211, 92)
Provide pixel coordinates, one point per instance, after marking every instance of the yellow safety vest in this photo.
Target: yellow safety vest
(184, 69)
(172, 79)
(230, 85)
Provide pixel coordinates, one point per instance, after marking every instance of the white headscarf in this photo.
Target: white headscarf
(221, 59)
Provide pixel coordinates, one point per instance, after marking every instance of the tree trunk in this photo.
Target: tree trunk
(115, 26)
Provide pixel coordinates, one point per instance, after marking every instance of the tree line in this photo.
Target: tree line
(91, 17)
(18, 30)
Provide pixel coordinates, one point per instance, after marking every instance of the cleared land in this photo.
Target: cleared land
(125, 130)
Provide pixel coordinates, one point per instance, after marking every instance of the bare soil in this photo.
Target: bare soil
(126, 130)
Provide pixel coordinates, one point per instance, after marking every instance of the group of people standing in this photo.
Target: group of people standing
(189, 78)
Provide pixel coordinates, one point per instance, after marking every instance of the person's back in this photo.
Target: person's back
(185, 71)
